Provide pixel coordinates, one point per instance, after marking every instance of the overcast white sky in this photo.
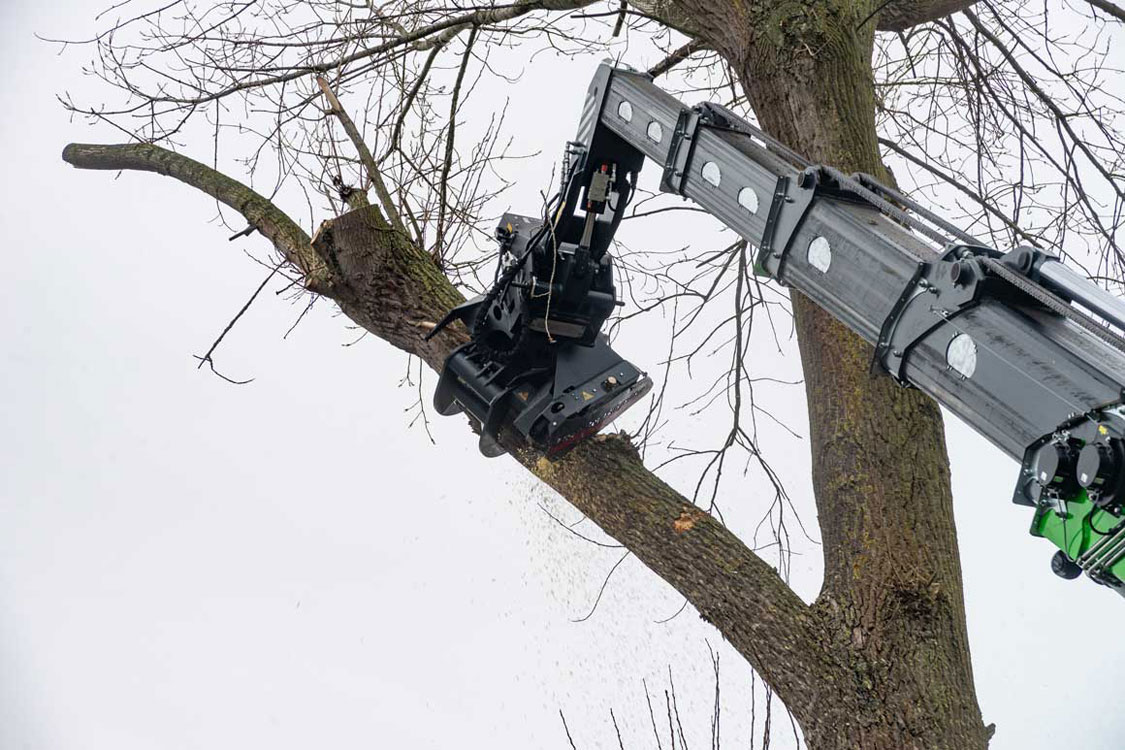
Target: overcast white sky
(188, 564)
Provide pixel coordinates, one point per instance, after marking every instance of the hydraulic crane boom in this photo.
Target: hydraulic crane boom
(1015, 344)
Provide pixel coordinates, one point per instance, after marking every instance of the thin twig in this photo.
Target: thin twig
(443, 183)
(652, 716)
(620, 742)
(365, 156)
(602, 589)
(408, 102)
(206, 358)
(567, 730)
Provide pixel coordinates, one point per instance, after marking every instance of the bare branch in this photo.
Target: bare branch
(442, 31)
(1114, 10)
(443, 181)
(289, 239)
(373, 174)
(960, 186)
(900, 15)
(206, 358)
(408, 101)
(676, 57)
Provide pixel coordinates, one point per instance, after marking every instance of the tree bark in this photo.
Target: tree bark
(881, 659)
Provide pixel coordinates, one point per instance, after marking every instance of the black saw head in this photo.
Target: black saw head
(537, 359)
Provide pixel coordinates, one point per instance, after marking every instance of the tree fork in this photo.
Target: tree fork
(892, 603)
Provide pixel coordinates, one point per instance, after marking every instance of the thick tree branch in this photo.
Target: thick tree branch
(392, 288)
(900, 15)
(1114, 10)
(289, 239)
(674, 14)
(676, 56)
(720, 25)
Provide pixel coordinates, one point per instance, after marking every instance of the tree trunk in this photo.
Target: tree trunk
(892, 605)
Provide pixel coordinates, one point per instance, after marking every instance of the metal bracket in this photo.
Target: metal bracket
(680, 151)
(791, 203)
(936, 293)
(681, 148)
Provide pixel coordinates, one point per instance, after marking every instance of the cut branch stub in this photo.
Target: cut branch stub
(365, 157)
(388, 285)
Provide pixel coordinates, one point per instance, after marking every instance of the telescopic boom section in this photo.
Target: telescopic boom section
(1024, 350)
(1006, 341)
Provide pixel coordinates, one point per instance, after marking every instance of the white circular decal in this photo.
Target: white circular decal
(961, 355)
(820, 254)
(748, 199)
(710, 173)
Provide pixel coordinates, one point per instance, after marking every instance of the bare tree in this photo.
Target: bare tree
(1002, 101)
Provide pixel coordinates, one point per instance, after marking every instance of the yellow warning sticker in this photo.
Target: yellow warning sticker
(586, 395)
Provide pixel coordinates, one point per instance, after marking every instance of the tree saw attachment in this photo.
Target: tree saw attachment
(537, 358)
